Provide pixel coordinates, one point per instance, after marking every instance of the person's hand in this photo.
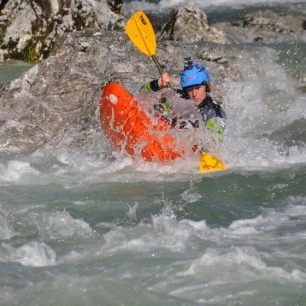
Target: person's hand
(164, 80)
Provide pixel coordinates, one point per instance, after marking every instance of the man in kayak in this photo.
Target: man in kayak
(195, 82)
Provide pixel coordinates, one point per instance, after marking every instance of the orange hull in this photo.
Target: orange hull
(129, 128)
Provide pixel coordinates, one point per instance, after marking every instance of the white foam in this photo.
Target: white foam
(35, 254)
(58, 225)
(271, 220)
(6, 232)
(244, 260)
(166, 4)
(230, 3)
(166, 232)
(14, 170)
(191, 195)
(266, 101)
(258, 224)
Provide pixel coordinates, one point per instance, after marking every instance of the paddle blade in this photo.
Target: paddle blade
(210, 163)
(140, 31)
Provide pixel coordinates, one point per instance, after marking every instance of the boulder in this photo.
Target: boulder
(190, 24)
(30, 28)
(265, 25)
(56, 100)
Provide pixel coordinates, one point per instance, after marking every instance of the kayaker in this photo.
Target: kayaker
(196, 85)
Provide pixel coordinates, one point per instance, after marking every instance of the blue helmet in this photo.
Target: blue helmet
(195, 75)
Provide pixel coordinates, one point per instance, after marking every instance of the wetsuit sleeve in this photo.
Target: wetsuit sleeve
(151, 86)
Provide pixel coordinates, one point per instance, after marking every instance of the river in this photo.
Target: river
(85, 229)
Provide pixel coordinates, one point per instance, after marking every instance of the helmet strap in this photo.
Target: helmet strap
(208, 87)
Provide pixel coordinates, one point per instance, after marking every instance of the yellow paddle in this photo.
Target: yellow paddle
(140, 31)
(210, 163)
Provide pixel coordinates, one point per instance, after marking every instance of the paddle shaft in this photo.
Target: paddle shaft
(157, 64)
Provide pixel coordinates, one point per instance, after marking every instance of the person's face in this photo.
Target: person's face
(197, 93)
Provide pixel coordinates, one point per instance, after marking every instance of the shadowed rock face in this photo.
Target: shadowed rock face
(30, 28)
(115, 5)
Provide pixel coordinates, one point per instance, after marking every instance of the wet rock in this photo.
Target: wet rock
(189, 24)
(273, 22)
(223, 58)
(53, 98)
(116, 6)
(264, 25)
(302, 85)
(29, 29)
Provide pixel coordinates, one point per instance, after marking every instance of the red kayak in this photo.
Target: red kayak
(129, 128)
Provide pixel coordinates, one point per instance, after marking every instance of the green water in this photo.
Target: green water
(10, 70)
(232, 238)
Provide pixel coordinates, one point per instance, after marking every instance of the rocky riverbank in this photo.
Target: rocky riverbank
(82, 46)
(30, 29)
